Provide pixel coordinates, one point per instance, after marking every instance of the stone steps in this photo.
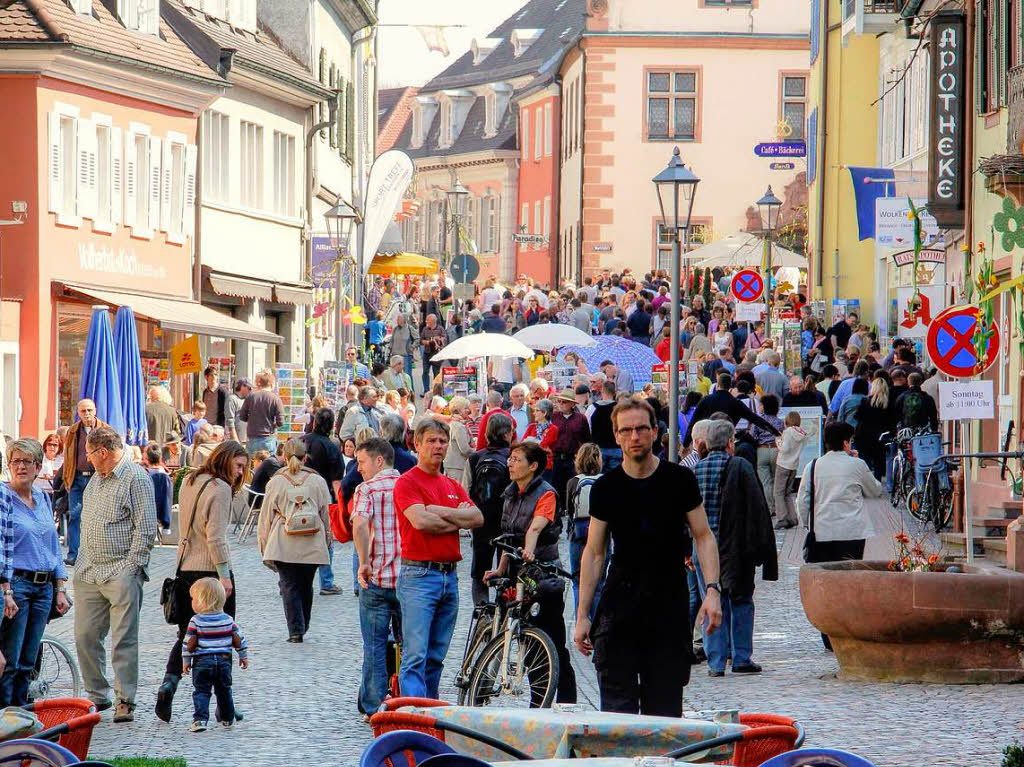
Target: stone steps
(1005, 510)
(955, 543)
(995, 550)
(990, 526)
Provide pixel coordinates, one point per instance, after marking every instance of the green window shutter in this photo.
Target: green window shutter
(334, 127)
(980, 58)
(350, 120)
(340, 120)
(321, 109)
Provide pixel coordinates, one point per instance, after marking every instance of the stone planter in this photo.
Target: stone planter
(949, 628)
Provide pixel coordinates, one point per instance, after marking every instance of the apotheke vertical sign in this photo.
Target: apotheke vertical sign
(945, 171)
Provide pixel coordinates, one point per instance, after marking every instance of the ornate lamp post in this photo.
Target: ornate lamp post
(768, 207)
(340, 220)
(676, 186)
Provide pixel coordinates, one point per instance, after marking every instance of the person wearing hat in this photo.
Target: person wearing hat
(573, 431)
(234, 426)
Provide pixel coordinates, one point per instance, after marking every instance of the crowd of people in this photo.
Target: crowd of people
(404, 472)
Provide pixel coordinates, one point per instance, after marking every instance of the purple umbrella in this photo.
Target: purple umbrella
(627, 355)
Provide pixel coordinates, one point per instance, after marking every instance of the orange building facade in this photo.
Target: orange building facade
(538, 182)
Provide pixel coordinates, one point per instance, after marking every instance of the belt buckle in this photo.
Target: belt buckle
(40, 577)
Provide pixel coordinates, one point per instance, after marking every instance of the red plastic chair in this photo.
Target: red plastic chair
(392, 704)
(392, 721)
(69, 721)
(768, 735)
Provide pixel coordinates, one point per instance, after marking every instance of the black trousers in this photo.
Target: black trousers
(483, 560)
(551, 620)
(835, 551)
(184, 607)
(295, 582)
(643, 676)
(563, 469)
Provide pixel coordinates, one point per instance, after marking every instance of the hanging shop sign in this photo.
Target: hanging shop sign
(185, 356)
(926, 256)
(895, 229)
(946, 139)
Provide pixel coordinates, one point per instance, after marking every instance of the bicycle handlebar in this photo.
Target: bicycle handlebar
(516, 553)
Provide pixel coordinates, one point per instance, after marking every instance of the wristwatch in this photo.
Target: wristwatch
(62, 590)
(713, 585)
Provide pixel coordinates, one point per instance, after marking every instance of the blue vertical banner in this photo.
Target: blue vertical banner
(815, 29)
(812, 147)
(868, 185)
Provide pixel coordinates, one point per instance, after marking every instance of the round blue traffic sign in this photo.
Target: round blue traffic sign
(465, 268)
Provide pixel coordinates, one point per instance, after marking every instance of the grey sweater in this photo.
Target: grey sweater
(204, 541)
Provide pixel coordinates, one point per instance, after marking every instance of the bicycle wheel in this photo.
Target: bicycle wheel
(56, 674)
(528, 679)
(915, 499)
(940, 503)
(481, 634)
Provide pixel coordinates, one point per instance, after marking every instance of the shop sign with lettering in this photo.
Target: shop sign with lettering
(945, 170)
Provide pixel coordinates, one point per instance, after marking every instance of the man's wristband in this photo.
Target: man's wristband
(713, 585)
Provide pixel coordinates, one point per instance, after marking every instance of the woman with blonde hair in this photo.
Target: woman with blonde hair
(460, 447)
(873, 419)
(393, 401)
(577, 495)
(294, 534)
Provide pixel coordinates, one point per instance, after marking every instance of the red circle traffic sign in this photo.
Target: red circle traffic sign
(747, 285)
(950, 343)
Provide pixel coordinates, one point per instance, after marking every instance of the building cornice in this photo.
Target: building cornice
(696, 39)
(470, 159)
(276, 84)
(356, 14)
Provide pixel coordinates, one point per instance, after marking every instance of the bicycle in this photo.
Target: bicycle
(503, 650)
(56, 674)
(931, 499)
(902, 465)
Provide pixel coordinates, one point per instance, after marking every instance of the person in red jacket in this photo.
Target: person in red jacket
(542, 430)
(664, 347)
(494, 400)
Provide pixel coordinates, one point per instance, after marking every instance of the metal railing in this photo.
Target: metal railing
(869, 6)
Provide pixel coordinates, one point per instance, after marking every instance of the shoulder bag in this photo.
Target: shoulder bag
(169, 587)
(810, 539)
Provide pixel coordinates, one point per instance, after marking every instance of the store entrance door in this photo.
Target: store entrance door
(10, 393)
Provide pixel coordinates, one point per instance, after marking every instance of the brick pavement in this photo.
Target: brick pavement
(299, 700)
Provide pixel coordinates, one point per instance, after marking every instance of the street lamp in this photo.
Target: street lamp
(340, 220)
(675, 185)
(458, 198)
(768, 207)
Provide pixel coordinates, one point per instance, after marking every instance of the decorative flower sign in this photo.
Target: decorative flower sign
(1010, 223)
(354, 316)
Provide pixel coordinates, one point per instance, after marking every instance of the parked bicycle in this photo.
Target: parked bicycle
(56, 673)
(902, 464)
(931, 499)
(508, 661)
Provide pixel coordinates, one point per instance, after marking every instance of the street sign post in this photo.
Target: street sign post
(950, 343)
(747, 285)
(781, 149)
(465, 267)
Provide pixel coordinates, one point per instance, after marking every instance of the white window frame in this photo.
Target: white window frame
(173, 190)
(525, 138)
(83, 7)
(251, 171)
(106, 221)
(524, 223)
(140, 225)
(140, 15)
(803, 100)
(447, 128)
(284, 174)
(549, 138)
(492, 223)
(216, 156)
(536, 223)
(538, 130)
(60, 170)
(417, 127)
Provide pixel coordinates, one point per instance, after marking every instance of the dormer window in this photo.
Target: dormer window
(455, 106)
(481, 49)
(422, 118)
(497, 98)
(447, 128)
(82, 6)
(522, 39)
(140, 15)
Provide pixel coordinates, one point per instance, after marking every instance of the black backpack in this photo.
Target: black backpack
(489, 480)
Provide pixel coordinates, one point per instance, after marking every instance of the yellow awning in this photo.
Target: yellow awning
(403, 263)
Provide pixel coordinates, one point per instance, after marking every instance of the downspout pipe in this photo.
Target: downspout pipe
(819, 171)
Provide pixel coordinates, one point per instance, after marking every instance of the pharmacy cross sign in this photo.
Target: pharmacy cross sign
(950, 343)
(747, 285)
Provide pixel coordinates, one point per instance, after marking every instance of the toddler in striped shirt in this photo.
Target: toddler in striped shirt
(210, 637)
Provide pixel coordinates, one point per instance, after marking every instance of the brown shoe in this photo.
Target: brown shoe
(124, 711)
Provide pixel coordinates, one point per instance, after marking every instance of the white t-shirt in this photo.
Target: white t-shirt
(505, 369)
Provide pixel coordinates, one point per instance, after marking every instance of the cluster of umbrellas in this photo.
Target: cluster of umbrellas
(112, 374)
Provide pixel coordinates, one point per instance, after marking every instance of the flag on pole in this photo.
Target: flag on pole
(433, 36)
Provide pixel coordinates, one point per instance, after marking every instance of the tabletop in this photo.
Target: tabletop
(546, 733)
(616, 761)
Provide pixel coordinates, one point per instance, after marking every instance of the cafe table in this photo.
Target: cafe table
(572, 732)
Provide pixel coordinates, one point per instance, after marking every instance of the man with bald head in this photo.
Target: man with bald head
(78, 470)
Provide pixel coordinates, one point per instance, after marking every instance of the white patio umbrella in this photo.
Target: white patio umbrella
(484, 345)
(743, 249)
(553, 336)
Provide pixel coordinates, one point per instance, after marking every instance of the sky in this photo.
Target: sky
(403, 55)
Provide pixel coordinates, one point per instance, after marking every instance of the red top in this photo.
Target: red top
(664, 350)
(481, 433)
(416, 486)
(547, 441)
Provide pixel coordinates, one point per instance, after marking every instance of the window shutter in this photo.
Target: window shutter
(350, 120)
(116, 174)
(87, 192)
(322, 106)
(153, 177)
(166, 180)
(189, 196)
(132, 175)
(56, 161)
(1001, 46)
(980, 58)
(340, 124)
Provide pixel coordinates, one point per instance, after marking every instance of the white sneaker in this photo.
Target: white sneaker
(197, 726)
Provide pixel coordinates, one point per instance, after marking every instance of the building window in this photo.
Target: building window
(663, 247)
(176, 214)
(538, 133)
(284, 174)
(323, 107)
(700, 234)
(82, 6)
(672, 105)
(469, 233)
(69, 165)
(525, 138)
(242, 13)
(524, 222)
(491, 114)
(104, 174)
(794, 106)
(492, 222)
(548, 130)
(546, 230)
(417, 127)
(332, 83)
(140, 15)
(216, 143)
(446, 124)
(142, 188)
(252, 164)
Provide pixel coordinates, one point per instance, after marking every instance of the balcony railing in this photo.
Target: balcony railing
(1015, 107)
(880, 6)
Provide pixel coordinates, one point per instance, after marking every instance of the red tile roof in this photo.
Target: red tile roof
(100, 32)
(394, 106)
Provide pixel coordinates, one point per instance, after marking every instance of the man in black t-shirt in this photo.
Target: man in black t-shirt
(642, 662)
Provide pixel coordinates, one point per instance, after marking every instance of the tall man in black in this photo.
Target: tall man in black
(642, 667)
(721, 401)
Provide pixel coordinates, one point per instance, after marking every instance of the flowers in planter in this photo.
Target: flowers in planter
(911, 556)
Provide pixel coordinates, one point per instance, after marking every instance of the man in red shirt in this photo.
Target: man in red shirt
(494, 401)
(431, 509)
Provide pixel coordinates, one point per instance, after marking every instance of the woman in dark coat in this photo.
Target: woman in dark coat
(873, 419)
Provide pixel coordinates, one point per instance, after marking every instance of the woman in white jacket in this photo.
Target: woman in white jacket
(790, 444)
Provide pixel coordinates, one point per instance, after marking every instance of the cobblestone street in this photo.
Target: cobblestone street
(299, 700)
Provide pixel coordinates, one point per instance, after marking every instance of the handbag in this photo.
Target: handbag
(169, 588)
(810, 539)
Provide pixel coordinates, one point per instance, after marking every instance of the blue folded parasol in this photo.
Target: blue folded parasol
(100, 381)
(627, 355)
(129, 372)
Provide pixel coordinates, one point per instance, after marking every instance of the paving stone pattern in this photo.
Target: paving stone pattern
(299, 700)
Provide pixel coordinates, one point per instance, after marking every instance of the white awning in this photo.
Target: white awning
(179, 314)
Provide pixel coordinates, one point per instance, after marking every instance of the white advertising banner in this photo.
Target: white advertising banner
(892, 227)
(966, 400)
(749, 312)
(389, 178)
(933, 301)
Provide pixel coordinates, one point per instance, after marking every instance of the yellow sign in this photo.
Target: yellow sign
(185, 356)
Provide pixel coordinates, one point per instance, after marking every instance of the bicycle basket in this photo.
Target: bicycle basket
(926, 449)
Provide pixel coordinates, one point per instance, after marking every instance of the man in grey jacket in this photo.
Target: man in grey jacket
(405, 340)
(364, 414)
(772, 380)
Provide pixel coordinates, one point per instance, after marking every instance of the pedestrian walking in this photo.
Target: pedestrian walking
(767, 449)
(432, 509)
(324, 457)
(263, 414)
(33, 576)
(488, 478)
(790, 444)
(204, 513)
(377, 538)
(644, 609)
(294, 535)
(118, 530)
(234, 426)
(432, 340)
(210, 637)
(456, 461)
(588, 471)
(78, 470)
(161, 417)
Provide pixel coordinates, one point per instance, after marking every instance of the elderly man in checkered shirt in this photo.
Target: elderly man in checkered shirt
(378, 545)
(118, 530)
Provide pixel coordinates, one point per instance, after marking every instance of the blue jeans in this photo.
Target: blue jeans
(890, 457)
(75, 514)
(256, 444)
(327, 571)
(430, 605)
(408, 365)
(611, 458)
(578, 542)
(735, 637)
(21, 637)
(212, 672)
(378, 610)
